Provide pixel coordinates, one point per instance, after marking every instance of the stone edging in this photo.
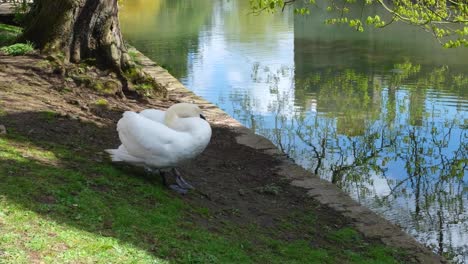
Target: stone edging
(364, 220)
(7, 9)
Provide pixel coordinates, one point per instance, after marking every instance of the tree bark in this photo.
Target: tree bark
(87, 29)
(79, 30)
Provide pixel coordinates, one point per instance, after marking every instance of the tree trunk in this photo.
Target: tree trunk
(78, 29)
(87, 29)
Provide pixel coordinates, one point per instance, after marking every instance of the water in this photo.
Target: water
(382, 114)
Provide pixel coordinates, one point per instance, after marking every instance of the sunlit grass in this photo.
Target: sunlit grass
(18, 49)
(10, 28)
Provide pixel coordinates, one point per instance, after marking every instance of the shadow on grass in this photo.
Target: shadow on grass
(61, 198)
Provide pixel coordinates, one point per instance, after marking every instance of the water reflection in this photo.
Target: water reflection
(384, 114)
(389, 144)
(154, 26)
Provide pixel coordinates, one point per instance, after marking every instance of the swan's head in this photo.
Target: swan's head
(182, 110)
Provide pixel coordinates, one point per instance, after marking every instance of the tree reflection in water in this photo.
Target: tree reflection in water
(396, 141)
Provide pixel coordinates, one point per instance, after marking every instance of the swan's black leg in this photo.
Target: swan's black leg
(152, 171)
(163, 177)
(181, 181)
(174, 187)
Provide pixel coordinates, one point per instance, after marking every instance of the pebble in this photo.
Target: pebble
(242, 192)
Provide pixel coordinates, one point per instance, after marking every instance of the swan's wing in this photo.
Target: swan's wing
(154, 114)
(141, 136)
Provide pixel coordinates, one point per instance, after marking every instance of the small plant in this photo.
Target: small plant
(18, 49)
(101, 102)
(144, 84)
(133, 55)
(20, 8)
(145, 89)
(48, 115)
(270, 189)
(106, 87)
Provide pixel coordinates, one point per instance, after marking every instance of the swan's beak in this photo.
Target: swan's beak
(202, 117)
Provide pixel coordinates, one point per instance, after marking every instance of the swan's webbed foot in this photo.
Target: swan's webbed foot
(178, 189)
(181, 182)
(181, 186)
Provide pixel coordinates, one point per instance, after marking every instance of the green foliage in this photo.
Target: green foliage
(446, 20)
(18, 49)
(21, 8)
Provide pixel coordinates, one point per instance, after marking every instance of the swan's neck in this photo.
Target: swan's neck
(193, 125)
(174, 121)
(170, 119)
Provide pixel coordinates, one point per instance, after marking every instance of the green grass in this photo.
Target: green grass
(10, 28)
(344, 235)
(58, 205)
(90, 214)
(8, 34)
(48, 115)
(18, 49)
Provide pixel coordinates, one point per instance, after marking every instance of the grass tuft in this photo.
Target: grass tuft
(101, 102)
(18, 49)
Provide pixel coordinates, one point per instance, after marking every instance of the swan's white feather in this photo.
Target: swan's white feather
(121, 155)
(147, 141)
(154, 114)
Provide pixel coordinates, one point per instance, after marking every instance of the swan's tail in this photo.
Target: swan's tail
(121, 155)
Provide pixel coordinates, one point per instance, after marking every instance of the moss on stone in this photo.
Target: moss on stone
(106, 86)
(101, 103)
(144, 84)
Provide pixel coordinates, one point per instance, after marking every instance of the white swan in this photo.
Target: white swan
(160, 140)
